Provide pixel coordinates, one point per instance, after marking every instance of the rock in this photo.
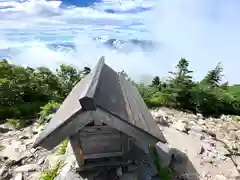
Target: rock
(180, 126)
(67, 171)
(235, 147)
(196, 135)
(234, 135)
(210, 133)
(165, 153)
(34, 176)
(220, 177)
(160, 117)
(41, 160)
(5, 173)
(27, 168)
(19, 176)
(201, 122)
(202, 150)
(159, 113)
(197, 128)
(12, 154)
(52, 159)
(70, 176)
(23, 137)
(4, 128)
(199, 116)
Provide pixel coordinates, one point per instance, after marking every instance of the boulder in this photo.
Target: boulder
(4, 128)
(165, 153)
(27, 168)
(180, 126)
(18, 176)
(5, 173)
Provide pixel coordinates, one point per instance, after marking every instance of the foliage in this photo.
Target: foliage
(18, 123)
(62, 147)
(209, 96)
(51, 173)
(23, 90)
(163, 172)
(50, 108)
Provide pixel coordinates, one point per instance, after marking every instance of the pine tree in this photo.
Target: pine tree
(214, 76)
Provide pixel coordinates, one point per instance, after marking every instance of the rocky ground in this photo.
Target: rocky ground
(210, 149)
(211, 144)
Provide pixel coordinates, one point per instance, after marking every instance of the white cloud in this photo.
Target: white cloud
(203, 31)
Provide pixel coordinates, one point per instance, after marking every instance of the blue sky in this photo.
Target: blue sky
(203, 31)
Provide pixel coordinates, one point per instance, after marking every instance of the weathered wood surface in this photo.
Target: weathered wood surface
(106, 90)
(76, 146)
(100, 141)
(64, 132)
(126, 128)
(138, 112)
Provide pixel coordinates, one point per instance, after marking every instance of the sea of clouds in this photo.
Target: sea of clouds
(143, 37)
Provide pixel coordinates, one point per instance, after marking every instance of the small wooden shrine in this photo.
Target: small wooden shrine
(103, 116)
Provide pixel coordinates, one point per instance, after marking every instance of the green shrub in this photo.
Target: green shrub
(24, 110)
(163, 173)
(18, 123)
(50, 108)
(62, 148)
(236, 118)
(51, 173)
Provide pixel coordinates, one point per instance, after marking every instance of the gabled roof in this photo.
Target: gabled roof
(101, 92)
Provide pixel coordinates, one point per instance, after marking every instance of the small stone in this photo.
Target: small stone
(5, 173)
(235, 147)
(197, 129)
(222, 157)
(27, 168)
(165, 153)
(41, 160)
(19, 176)
(196, 135)
(23, 137)
(199, 116)
(180, 126)
(220, 177)
(4, 129)
(202, 150)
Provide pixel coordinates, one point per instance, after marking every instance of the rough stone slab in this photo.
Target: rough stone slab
(165, 154)
(19, 176)
(27, 168)
(191, 162)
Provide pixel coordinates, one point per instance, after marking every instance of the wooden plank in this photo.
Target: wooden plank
(95, 156)
(109, 94)
(136, 114)
(97, 130)
(69, 129)
(127, 128)
(125, 147)
(76, 146)
(101, 143)
(103, 164)
(140, 115)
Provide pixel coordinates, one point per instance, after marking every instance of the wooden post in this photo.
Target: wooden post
(76, 146)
